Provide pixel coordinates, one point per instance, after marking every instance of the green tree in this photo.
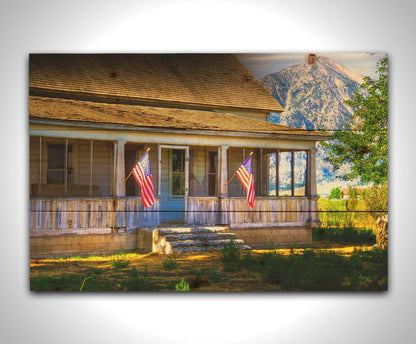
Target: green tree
(363, 141)
(335, 193)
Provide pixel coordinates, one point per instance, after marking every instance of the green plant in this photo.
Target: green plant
(344, 235)
(97, 271)
(83, 282)
(170, 263)
(335, 193)
(119, 264)
(376, 200)
(230, 253)
(182, 286)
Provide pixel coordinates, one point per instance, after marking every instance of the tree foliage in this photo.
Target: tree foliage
(363, 141)
(335, 193)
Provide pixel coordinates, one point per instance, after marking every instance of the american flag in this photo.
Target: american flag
(143, 175)
(245, 174)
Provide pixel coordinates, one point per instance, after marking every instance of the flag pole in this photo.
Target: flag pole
(125, 180)
(234, 173)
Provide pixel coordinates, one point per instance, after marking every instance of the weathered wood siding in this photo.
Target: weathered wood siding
(203, 210)
(136, 215)
(267, 211)
(78, 213)
(272, 212)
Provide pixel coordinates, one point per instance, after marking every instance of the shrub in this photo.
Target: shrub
(376, 200)
(170, 263)
(230, 253)
(182, 286)
(335, 193)
(119, 264)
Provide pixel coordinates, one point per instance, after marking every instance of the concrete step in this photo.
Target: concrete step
(217, 243)
(200, 236)
(181, 239)
(193, 246)
(179, 250)
(193, 230)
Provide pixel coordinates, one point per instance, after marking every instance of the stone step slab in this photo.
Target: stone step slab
(193, 230)
(180, 250)
(200, 236)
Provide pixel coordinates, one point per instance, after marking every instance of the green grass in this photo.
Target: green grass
(323, 271)
(119, 264)
(334, 213)
(344, 235)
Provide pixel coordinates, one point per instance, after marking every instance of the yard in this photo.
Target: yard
(338, 263)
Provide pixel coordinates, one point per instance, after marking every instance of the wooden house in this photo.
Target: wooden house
(91, 117)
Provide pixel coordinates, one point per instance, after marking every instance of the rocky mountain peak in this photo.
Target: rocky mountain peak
(313, 94)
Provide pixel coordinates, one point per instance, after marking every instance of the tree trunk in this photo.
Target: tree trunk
(382, 231)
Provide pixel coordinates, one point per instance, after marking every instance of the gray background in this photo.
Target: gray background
(215, 26)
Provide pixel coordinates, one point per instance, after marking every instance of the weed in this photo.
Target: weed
(170, 263)
(119, 264)
(182, 286)
(232, 267)
(97, 271)
(133, 273)
(230, 253)
(207, 275)
(83, 282)
(344, 235)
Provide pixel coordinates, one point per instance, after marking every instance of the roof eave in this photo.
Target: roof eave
(107, 126)
(115, 99)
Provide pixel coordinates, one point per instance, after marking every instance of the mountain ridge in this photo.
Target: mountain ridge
(313, 96)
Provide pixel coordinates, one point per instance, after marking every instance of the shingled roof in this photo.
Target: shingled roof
(184, 80)
(120, 115)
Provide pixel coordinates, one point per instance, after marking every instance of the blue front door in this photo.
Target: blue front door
(173, 186)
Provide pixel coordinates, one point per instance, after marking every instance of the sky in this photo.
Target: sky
(262, 64)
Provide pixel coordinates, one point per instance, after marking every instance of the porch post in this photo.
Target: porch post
(120, 188)
(223, 172)
(313, 194)
(313, 190)
(223, 179)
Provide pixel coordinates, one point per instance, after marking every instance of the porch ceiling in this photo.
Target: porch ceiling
(101, 114)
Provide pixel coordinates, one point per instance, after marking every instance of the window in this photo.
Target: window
(178, 173)
(203, 166)
(56, 164)
(300, 168)
(285, 173)
(212, 174)
(87, 171)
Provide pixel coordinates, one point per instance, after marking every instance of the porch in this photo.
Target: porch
(80, 184)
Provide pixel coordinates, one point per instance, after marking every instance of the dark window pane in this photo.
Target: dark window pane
(212, 162)
(211, 184)
(56, 156)
(178, 184)
(130, 162)
(178, 161)
(55, 177)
